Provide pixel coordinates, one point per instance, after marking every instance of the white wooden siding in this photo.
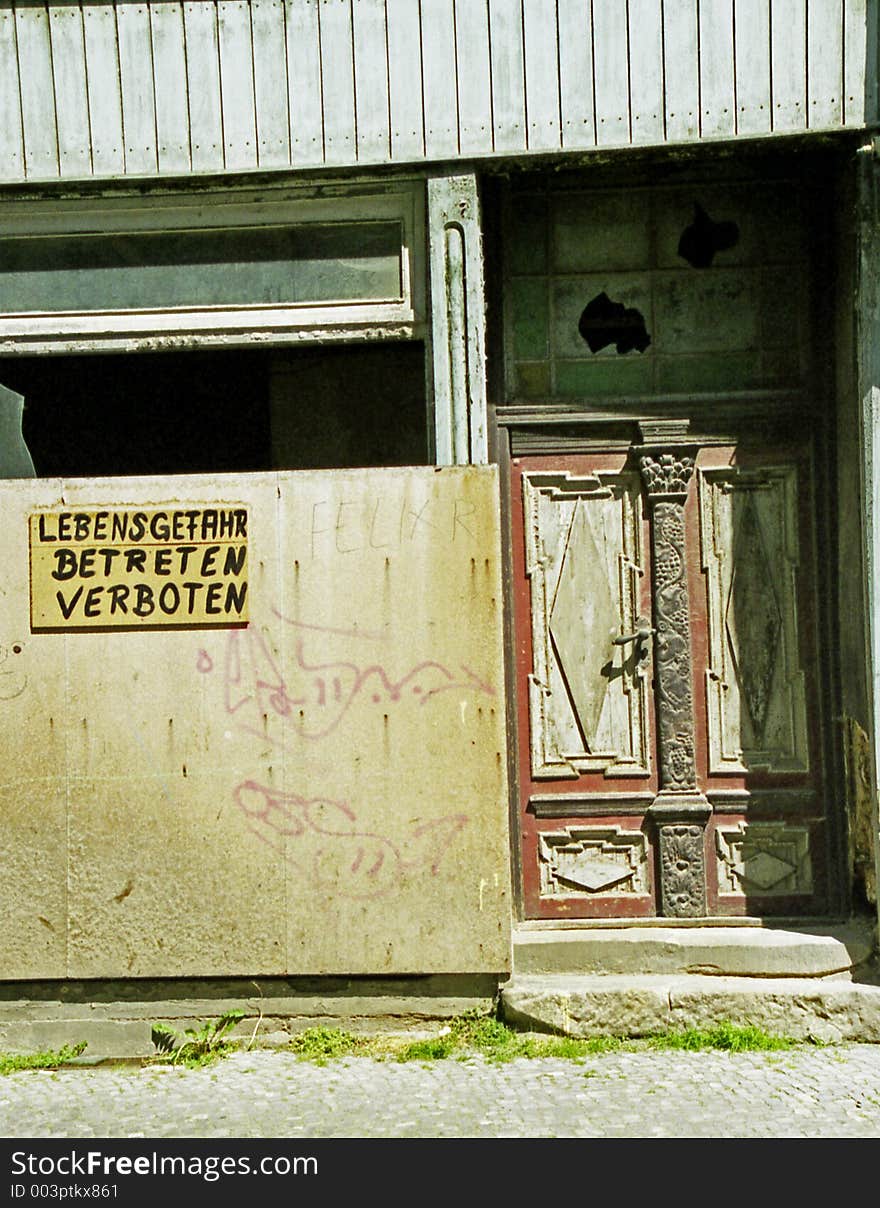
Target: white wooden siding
(147, 87)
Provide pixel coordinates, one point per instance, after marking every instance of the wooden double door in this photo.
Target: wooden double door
(669, 682)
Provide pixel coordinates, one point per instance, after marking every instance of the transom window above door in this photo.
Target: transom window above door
(145, 272)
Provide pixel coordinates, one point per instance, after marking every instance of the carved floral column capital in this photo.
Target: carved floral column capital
(666, 474)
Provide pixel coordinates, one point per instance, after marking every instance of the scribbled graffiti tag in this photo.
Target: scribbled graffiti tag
(321, 839)
(316, 696)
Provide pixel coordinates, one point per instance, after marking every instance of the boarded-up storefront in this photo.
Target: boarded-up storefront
(264, 721)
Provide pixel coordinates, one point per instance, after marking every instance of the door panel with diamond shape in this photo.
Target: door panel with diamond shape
(591, 687)
(585, 561)
(758, 703)
(754, 678)
(586, 743)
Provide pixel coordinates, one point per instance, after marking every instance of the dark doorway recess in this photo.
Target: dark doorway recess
(222, 411)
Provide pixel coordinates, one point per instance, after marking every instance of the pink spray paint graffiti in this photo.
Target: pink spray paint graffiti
(318, 694)
(320, 838)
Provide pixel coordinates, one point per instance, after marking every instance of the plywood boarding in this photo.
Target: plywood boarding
(220, 85)
(322, 791)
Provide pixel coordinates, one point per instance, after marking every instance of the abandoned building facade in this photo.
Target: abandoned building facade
(439, 512)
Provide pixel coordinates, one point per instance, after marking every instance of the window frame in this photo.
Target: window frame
(221, 325)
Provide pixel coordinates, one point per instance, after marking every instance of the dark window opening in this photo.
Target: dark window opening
(704, 238)
(231, 411)
(604, 322)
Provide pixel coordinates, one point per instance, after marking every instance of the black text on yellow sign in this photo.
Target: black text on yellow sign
(124, 568)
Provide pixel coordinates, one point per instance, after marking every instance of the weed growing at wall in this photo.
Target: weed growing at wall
(196, 1046)
(51, 1059)
(474, 1034)
(320, 1043)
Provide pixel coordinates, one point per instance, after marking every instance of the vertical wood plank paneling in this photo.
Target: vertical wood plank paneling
(136, 86)
(646, 70)
(576, 73)
(717, 107)
(682, 65)
(11, 143)
(439, 82)
(540, 41)
(611, 68)
(237, 84)
(855, 19)
(824, 63)
(405, 79)
(72, 104)
(270, 83)
(203, 86)
(304, 83)
(37, 92)
(104, 91)
(788, 41)
(508, 76)
(752, 51)
(371, 81)
(337, 81)
(170, 87)
(474, 76)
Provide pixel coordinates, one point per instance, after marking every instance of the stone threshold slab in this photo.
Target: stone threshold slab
(819, 951)
(829, 1010)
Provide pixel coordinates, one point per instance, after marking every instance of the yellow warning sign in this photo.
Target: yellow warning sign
(126, 569)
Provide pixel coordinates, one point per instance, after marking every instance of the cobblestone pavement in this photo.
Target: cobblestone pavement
(828, 1092)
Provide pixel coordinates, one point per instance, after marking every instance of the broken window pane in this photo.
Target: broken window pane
(704, 237)
(604, 322)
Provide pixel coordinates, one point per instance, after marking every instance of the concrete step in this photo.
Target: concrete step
(819, 980)
(631, 1005)
(820, 950)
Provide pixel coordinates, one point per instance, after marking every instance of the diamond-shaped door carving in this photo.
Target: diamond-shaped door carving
(590, 860)
(584, 606)
(768, 858)
(765, 870)
(753, 620)
(755, 684)
(588, 705)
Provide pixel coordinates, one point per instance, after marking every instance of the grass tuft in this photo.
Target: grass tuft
(51, 1059)
(726, 1036)
(320, 1043)
(477, 1033)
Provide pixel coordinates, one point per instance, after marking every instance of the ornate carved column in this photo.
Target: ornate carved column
(679, 810)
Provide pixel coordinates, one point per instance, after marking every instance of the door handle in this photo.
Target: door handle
(640, 637)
